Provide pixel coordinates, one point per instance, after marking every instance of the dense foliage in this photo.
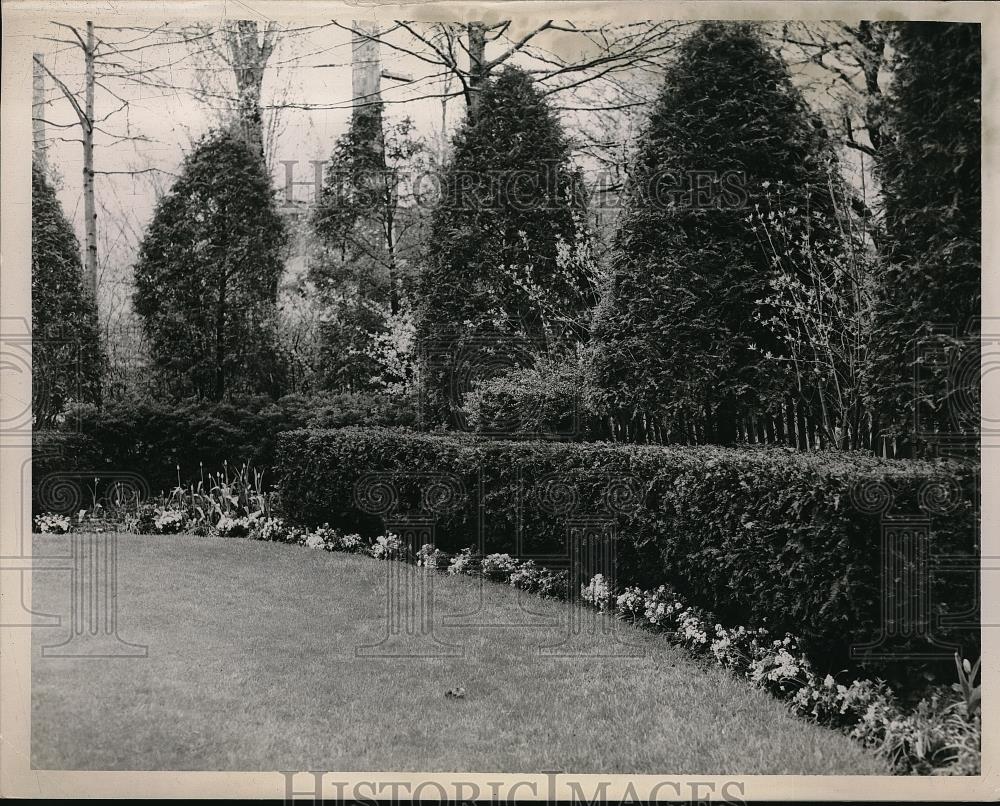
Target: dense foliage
(506, 277)
(163, 442)
(678, 337)
(549, 400)
(930, 173)
(207, 275)
(369, 227)
(767, 537)
(66, 353)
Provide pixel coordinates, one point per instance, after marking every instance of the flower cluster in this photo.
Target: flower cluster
(597, 592)
(498, 567)
(467, 561)
(269, 529)
(169, 521)
(228, 526)
(631, 604)
(386, 547)
(52, 523)
(431, 558)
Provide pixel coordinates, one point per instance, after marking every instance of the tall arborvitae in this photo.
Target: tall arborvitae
(66, 354)
(504, 278)
(679, 348)
(930, 173)
(207, 275)
(368, 222)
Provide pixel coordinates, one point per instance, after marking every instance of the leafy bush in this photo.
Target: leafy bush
(769, 537)
(171, 443)
(548, 399)
(498, 567)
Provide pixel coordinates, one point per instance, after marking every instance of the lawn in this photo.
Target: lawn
(252, 665)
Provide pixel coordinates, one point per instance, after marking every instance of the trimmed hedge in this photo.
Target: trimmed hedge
(760, 536)
(151, 439)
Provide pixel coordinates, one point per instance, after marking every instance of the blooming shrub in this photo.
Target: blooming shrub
(227, 526)
(597, 592)
(498, 567)
(553, 584)
(351, 543)
(631, 604)
(169, 521)
(331, 537)
(527, 577)
(431, 558)
(386, 547)
(661, 607)
(52, 523)
(465, 562)
(314, 541)
(273, 529)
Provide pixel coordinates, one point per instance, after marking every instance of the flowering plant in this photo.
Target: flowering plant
(228, 526)
(631, 604)
(527, 576)
(498, 567)
(351, 543)
(386, 547)
(465, 562)
(52, 523)
(168, 521)
(597, 592)
(431, 558)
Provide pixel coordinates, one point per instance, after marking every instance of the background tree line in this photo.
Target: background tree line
(797, 306)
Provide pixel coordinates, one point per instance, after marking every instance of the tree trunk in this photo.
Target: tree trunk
(249, 57)
(89, 209)
(39, 152)
(477, 66)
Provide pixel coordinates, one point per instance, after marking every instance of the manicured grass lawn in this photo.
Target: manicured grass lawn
(252, 666)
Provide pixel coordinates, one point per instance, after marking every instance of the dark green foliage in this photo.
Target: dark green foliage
(505, 266)
(152, 438)
(369, 222)
(60, 471)
(547, 400)
(676, 335)
(762, 537)
(207, 275)
(66, 354)
(930, 172)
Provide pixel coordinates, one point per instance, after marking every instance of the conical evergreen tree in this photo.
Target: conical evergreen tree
(930, 174)
(66, 354)
(504, 278)
(207, 275)
(678, 345)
